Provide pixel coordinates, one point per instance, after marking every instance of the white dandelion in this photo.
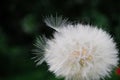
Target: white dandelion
(77, 52)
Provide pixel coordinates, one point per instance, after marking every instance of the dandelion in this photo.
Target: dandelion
(77, 52)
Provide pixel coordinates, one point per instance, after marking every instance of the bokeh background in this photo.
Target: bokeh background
(21, 21)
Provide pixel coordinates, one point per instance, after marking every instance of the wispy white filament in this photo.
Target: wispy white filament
(78, 52)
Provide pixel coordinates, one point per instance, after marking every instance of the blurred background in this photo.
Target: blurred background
(21, 21)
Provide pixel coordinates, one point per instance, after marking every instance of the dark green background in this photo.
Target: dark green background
(21, 21)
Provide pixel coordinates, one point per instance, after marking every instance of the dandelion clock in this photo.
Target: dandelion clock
(77, 52)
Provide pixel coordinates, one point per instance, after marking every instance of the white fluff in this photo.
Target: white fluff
(79, 52)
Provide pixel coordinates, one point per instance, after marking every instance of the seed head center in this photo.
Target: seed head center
(83, 55)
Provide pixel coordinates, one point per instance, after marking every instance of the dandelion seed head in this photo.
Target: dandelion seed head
(80, 52)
